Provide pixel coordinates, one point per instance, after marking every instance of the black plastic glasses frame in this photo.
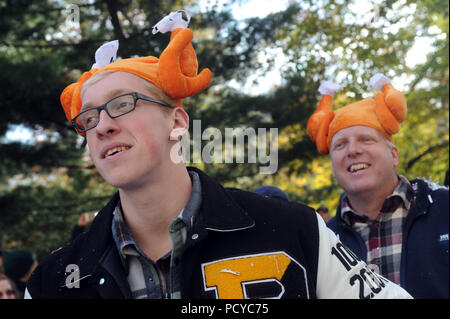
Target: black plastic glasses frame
(136, 96)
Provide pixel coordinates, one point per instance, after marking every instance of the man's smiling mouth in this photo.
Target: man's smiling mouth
(115, 150)
(357, 167)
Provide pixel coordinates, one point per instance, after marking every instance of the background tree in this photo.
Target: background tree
(48, 180)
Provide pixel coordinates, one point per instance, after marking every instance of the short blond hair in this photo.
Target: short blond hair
(389, 143)
(151, 88)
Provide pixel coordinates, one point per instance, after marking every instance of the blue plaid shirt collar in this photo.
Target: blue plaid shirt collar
(403, 194)
(123, 237)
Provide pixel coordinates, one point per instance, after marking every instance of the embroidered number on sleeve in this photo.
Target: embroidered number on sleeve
(366, 278)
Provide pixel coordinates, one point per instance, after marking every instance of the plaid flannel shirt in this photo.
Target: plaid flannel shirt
(383, 236)
(161, 279)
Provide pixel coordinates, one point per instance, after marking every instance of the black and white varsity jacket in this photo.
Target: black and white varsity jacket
(241, 245)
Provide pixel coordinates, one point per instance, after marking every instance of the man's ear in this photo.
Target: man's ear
(180, 124)
(395, 156)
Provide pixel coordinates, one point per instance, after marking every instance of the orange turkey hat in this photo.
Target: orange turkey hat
(384, 113)
(175, 72)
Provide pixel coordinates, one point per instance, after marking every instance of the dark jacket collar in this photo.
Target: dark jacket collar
(93, 247)
(219, 211)
(423, 199)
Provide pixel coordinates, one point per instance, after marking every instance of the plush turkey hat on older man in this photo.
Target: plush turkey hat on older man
(384, 113)
(175, 72)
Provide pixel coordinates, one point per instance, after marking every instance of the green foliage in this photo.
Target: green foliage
(45, 184)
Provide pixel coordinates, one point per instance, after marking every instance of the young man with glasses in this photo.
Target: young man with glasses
(172, 231)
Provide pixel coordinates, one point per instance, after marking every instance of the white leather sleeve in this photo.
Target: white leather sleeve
(27, 294)
(342, 275)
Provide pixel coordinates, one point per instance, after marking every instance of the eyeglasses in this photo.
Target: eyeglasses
(118, 106)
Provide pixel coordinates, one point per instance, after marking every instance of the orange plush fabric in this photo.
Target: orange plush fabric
(384, 113)
(175, 73)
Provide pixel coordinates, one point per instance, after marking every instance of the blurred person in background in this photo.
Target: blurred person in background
(18, 265)
(8, 289)
(323, 212)
(271, 192)
(84, 220)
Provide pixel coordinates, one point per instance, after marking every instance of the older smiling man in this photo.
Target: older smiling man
(399, 227)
